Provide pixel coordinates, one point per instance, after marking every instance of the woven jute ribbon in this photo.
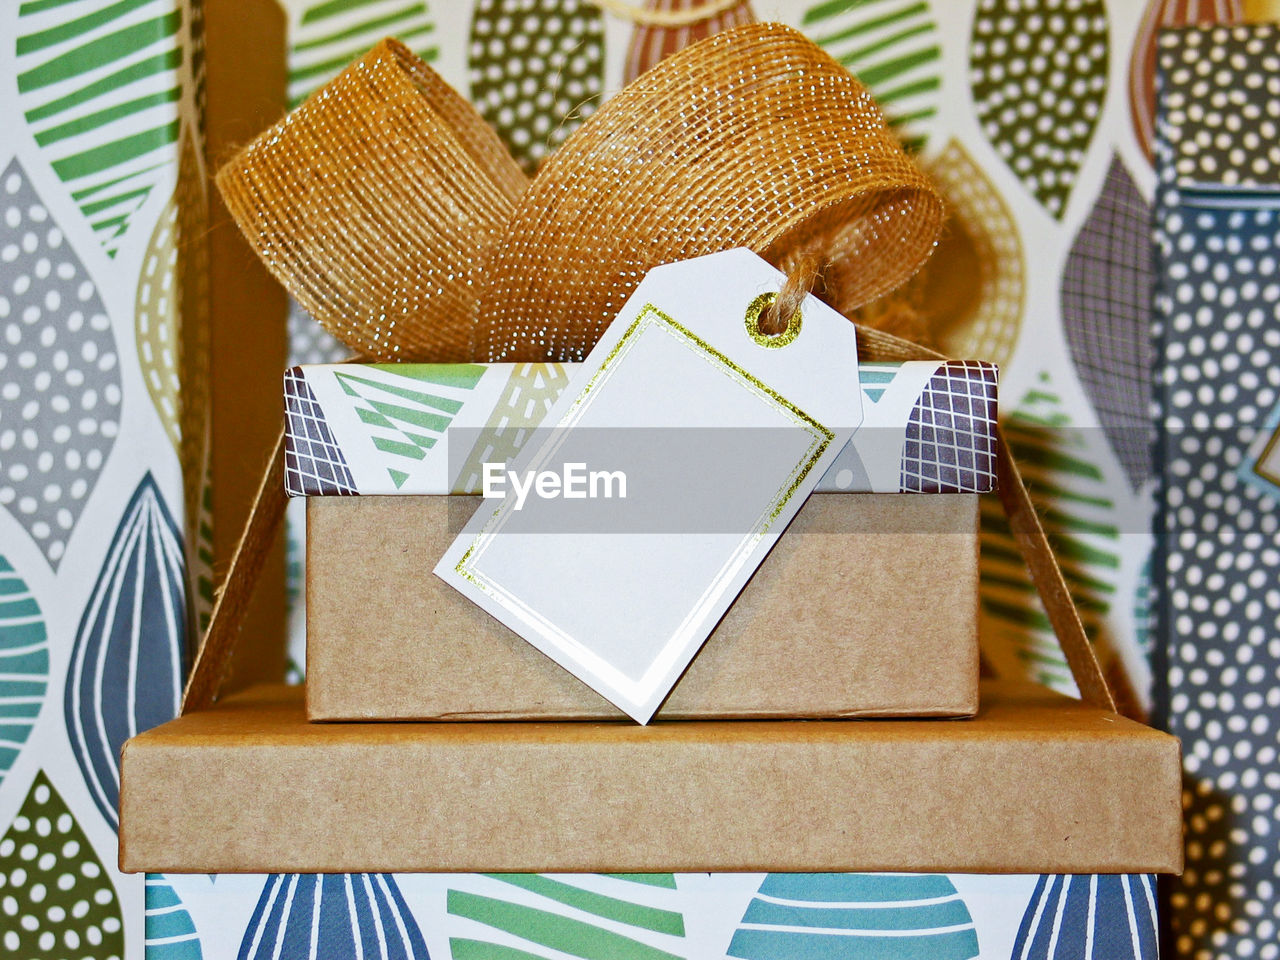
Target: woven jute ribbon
(392, 213)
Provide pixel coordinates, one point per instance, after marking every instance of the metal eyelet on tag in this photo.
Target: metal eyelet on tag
(770, 341)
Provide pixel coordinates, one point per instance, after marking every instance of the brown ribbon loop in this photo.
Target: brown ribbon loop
(390, 211)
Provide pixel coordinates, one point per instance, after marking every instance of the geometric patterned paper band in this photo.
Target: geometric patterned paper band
(383, 429)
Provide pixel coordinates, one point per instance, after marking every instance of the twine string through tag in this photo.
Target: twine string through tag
(803, 276)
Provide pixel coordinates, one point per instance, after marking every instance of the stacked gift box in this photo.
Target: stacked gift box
(866, 607)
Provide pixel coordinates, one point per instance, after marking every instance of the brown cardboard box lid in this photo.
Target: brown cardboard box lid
(1035, 783)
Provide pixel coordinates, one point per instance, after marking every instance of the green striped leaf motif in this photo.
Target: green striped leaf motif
(326, 36)
(58, 900)
(98, 83)
(856, 916)
(404, 419)
(24, 664)
(537, 917)
(1038, 74)
(1078, 511)
(199, 66)
(892, 47)
(170, 934)
(537, 70)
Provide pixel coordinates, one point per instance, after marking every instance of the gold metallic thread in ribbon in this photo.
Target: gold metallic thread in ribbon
(391, 212)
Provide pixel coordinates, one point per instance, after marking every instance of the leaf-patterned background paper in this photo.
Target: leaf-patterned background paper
(102, 184)
(100, 101)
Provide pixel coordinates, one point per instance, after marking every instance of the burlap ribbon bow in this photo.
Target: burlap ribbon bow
(391, 211)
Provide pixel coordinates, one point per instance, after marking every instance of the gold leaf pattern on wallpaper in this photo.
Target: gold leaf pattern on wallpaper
(969, 298)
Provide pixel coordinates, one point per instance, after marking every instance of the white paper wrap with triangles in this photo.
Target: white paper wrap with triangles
(410, 428)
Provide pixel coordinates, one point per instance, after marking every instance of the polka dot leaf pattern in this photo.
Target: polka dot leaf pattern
(1217, 329)
(537, 70)
(24, 664)
(1223, 98)
(56, 900)
(1161, 15)
(1038, 74)
(59, 372)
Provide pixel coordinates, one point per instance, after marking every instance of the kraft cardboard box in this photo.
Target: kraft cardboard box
(867, 607)
(1035, 783)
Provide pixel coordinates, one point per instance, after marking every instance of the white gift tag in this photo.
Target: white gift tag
(682, 448)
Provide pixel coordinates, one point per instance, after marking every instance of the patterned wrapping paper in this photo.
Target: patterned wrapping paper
(1218, 229)
(103, 441)
(652, 916)
(1023, 198)
(372, 429)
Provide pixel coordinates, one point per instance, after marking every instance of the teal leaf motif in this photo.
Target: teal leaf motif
(1039, 79)
(537, 70)
(24, 664)
(170, 934)
(126, 668)
(856, 916)
(330, 34)
(893, 47)
(59, 372)
(98, 83)
(610, 917)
